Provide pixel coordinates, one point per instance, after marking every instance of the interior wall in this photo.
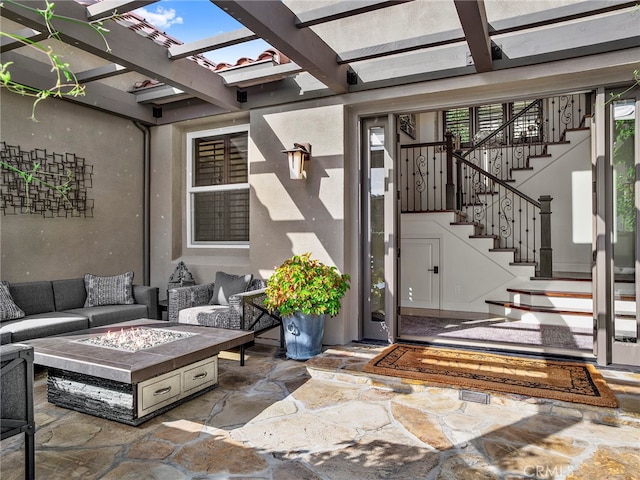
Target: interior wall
(37, 248)
(467, 274)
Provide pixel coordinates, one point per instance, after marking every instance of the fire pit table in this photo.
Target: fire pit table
(132, 371)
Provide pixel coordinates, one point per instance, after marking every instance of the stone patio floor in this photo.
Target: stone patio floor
(323, 419)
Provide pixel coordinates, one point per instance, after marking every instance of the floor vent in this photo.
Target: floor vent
(476, 397)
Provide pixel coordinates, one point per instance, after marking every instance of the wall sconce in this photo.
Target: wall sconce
(300, 153)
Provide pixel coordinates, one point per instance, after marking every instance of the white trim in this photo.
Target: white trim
(190, 190)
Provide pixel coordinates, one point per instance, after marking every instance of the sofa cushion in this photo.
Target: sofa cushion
(8, 308)
(33, 297)
(43, 325)
(108, 314)
(208, 316)
(111, 290)
(69, 293)
(226, 285)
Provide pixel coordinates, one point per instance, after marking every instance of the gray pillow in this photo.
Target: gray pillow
(8, 308)
(113, 290)
(226, 285)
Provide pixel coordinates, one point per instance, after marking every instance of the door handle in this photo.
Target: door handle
(434, 270)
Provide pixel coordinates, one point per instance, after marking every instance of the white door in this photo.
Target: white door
(420, 273)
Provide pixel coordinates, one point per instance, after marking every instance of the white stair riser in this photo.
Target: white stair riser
(566, 302)
(545, 318)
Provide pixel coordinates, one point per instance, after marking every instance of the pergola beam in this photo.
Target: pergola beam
(108, 7)
(275, 23)
(402, 46)
(7, 44)
(100, 73)
(131, 51)
(226, 39)
(33, 73)
(551, 16)
(340, 10)
(473, 18)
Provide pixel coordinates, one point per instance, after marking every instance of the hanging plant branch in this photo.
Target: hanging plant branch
(66, 82)
(617, 96)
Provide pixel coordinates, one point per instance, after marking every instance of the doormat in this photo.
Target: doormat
(486, 372)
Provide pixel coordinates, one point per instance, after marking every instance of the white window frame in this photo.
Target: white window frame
(190, 190)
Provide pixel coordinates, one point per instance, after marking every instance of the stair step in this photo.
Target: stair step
(533, 308)
(473, 224)
(513, 250)
(521, 169)
(541, 155)
(476, 225)
(495, 237)
(527, 264)
(577, 129)
(554, 310)
(563, 294)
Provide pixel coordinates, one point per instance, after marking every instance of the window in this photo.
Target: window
(218, 188)
(458, 122)
(473, 124)
(527, 128)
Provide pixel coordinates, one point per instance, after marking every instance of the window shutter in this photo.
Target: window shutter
(528, 127)
(457, 121)
(220, 214)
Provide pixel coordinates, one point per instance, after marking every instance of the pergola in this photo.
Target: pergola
(334, 48)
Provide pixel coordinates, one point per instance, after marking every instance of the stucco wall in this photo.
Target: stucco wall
(287, 216)
(36, 248)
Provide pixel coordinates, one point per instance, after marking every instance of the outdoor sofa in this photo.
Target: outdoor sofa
(64, 306)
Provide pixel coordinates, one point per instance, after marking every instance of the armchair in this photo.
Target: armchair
(192, 305)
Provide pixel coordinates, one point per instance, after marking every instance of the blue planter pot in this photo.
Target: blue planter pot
(303, 335)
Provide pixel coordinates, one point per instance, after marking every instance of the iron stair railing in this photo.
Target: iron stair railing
(505, 214)
(499, 210)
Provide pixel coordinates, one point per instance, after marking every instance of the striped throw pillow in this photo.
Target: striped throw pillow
(113, 290)
(8, 308)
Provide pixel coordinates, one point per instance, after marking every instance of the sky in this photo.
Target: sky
(190, 20)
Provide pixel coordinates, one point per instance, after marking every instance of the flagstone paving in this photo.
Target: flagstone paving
(281, 419)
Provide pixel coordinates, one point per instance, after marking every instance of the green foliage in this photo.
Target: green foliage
(303, 284)
(66, 84)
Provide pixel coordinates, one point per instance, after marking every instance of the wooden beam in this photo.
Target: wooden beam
(7, 44)
(565, 13)
(577, 11)
(212, 43)
(33, 73)
(99, 73)
(131, 51)
(340, 10)
(473, 18)
(275, 23)
(402, 46)
(106, 8)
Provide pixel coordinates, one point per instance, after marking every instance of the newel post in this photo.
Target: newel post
(450, 187)
(546, 252)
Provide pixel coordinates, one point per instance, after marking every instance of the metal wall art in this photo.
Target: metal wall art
(43, 183)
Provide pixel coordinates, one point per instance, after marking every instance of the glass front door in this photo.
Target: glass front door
(624, 152)
(616, 206)
(378, 227)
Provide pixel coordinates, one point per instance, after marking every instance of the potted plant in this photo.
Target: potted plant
(304, 291)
